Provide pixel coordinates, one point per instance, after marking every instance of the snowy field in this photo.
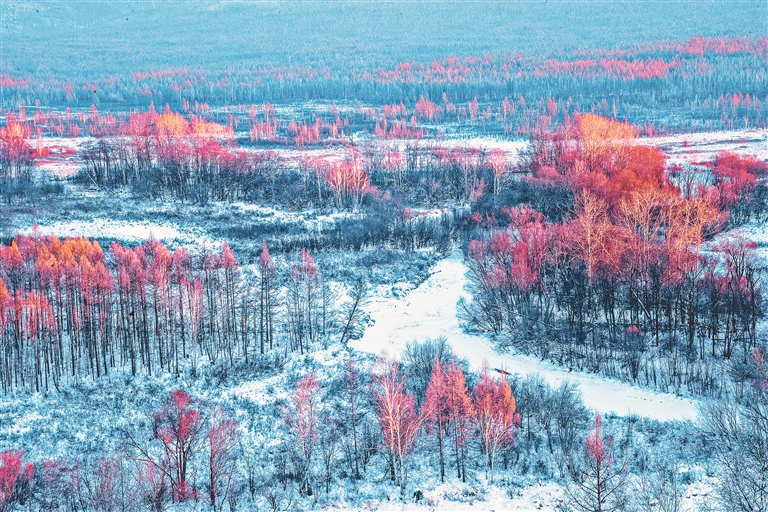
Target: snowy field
(310, 219)
(457, 142)
(129, 231)
(695, 148)
(65, 158)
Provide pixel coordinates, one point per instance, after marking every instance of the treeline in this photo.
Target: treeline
(382, 226)
(160, 155)
(627, 283)
(698, 79)
(69, 311)
(193, 159)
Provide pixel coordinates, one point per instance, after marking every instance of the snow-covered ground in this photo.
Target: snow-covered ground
(134, 231)
(691, 148)
(510, 147)
(429, 311)
(753, 231)
(65, 157)
(457, 496)
(310, 219)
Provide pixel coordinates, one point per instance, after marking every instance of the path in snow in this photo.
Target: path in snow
(429, 311)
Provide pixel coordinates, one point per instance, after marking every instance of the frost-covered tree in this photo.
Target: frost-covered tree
(398, 418)
(598, 481)
(302, 420)
(222, 441)
(496, 416)
(436, 411)
(739, 436)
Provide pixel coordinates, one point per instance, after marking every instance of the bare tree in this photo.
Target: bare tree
(598, 481)
(739, 437)
(353, 310)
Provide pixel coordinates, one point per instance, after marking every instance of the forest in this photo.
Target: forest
(606, 207)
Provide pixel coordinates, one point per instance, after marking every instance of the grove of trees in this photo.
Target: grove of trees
(628, 281)
(68, 310)
(373, 423)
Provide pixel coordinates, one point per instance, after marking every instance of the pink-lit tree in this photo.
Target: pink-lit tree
(435, 410)
(179, 428)
(222, 441)
(598, 482)
(302, 418)
(497, 161)
(15, 479)
(496, 416)
(399, 421)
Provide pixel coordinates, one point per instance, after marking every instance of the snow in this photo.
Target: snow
(105, 228)
(65, 157)
(511, 147)
(698, 494)
(310, 219)
(458, 496)
(752, 231)
(293, 157)
(429, 311)
(691, 148)
(23, 424)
